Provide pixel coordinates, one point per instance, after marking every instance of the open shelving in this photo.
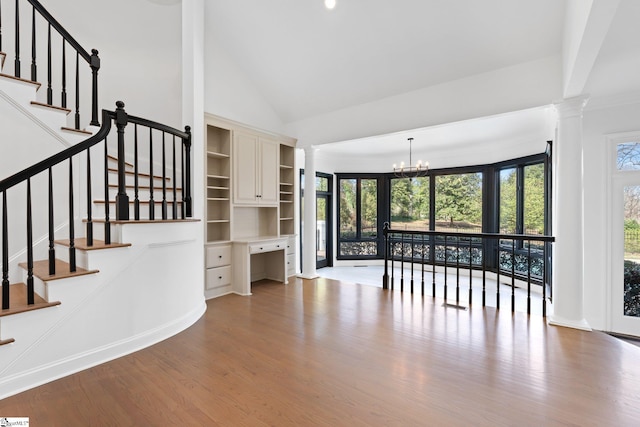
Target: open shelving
(218, 185)
(287, 159)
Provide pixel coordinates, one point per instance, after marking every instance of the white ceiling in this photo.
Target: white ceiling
(307, 60)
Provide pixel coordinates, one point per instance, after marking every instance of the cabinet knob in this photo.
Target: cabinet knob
(220, 277)
(260, 248)
(220, 256)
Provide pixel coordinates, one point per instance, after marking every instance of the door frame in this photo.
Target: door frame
(616, 322)
(330, 209)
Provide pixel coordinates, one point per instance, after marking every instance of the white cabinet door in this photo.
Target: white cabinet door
(270, 167)
(245, 171)
(255, 172)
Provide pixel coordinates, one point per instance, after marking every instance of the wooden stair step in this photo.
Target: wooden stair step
(81, 244)
(41, 270)
(115, 159)
(9, 76)
(146, 175)
(53, 107)
(82, 131)
(142, 221)
(142, 202)
(18, 299)
(7, 341)
(146, 187)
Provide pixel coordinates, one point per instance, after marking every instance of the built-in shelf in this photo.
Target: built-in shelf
(218, 196)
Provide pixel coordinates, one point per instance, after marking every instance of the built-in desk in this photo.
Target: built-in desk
(258, 258)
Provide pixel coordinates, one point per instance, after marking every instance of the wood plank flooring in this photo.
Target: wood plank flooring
(325, 353)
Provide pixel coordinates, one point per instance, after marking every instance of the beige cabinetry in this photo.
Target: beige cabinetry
(249, 209)
(255, 172)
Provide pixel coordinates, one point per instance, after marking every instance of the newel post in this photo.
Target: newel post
(385, 276)
(187, 169)
(95, 66)
(122, 199)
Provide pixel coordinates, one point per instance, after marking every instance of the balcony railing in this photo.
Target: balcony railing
(521, 258)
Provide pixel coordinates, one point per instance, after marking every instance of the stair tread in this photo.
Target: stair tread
(140, 174)
(114, 158)
(68, 129)
(144, 187)
(54, 107)
(7, 341)
(81, 244)
(9, 76)
(41, 270)
(18, 298)
(142, 202)
(143, 221)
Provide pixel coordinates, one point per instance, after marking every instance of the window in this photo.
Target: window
(459, 202)
(410, 203)
(359, 227)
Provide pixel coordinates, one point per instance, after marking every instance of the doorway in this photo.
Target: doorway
(324, 218)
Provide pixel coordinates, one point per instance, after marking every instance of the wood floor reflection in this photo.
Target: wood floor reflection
(325, 353)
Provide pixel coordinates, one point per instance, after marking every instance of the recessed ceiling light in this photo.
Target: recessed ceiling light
(330, 4)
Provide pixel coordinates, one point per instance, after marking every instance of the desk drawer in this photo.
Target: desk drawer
(291, 264)
(218, 277)
(291, 245)
(267, 247)
(218, 256)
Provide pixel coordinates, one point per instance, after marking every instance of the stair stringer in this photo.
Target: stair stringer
(143, 294)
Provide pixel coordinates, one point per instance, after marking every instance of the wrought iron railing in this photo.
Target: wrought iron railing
(38, 12)
(520, 257)
(173, 166)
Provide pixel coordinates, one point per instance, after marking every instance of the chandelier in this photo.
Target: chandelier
(410, 171)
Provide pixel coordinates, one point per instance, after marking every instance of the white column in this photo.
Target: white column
(568, 249)
(309, 231)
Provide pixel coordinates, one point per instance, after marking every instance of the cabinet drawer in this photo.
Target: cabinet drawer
(218, 256)
(291, 245)
(218, 277)
(291, 264)
(266, 247)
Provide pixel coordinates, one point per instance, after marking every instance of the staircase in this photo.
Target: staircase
(98, 246)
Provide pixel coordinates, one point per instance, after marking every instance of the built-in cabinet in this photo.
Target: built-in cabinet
(250, 188)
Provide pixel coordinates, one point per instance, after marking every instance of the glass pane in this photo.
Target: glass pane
(322, 183)
(632, 251)
(534, 199)
(369, 207)
(410, 203)
(508, 200)
(321, 228)
(459, 202)
(628, 156)
(348, 208)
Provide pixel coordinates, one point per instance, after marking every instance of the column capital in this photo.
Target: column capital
(571, 107)
(311, 149)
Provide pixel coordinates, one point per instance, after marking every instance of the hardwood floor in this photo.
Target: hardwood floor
(325, 353)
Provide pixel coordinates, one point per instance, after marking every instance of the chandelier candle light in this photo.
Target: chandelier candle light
(420, 169)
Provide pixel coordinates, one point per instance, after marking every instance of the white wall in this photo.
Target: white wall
(140, 51)
(527, 85)
(230, 94)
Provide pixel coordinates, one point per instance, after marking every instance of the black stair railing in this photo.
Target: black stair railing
(522, 257)
(38, 12)
(44, 170)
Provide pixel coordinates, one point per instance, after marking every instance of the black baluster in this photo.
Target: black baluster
(412, 262)
(63, 95)
(164, 178)
(107, 223)
(544, 280)
(529, 277)
(445, 268)
(152, 206)
(77, 115)
(89, 201)
(432, 256)
(95, 66)
(182, 204)
(49, 66)
(392, 245)
(72, 237)
(52, 249)
(136, 199)
(498, 279)
(402, 263)
(34, 68)
(122, 199)
(5, 254)
(0, 26)
(30, 292)
(16, 63)
(175, 182)
(470, 271)
(513, 275)
(458, 270)
(422, 275)
(187, 187)
(385, 275)
(484, 273)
